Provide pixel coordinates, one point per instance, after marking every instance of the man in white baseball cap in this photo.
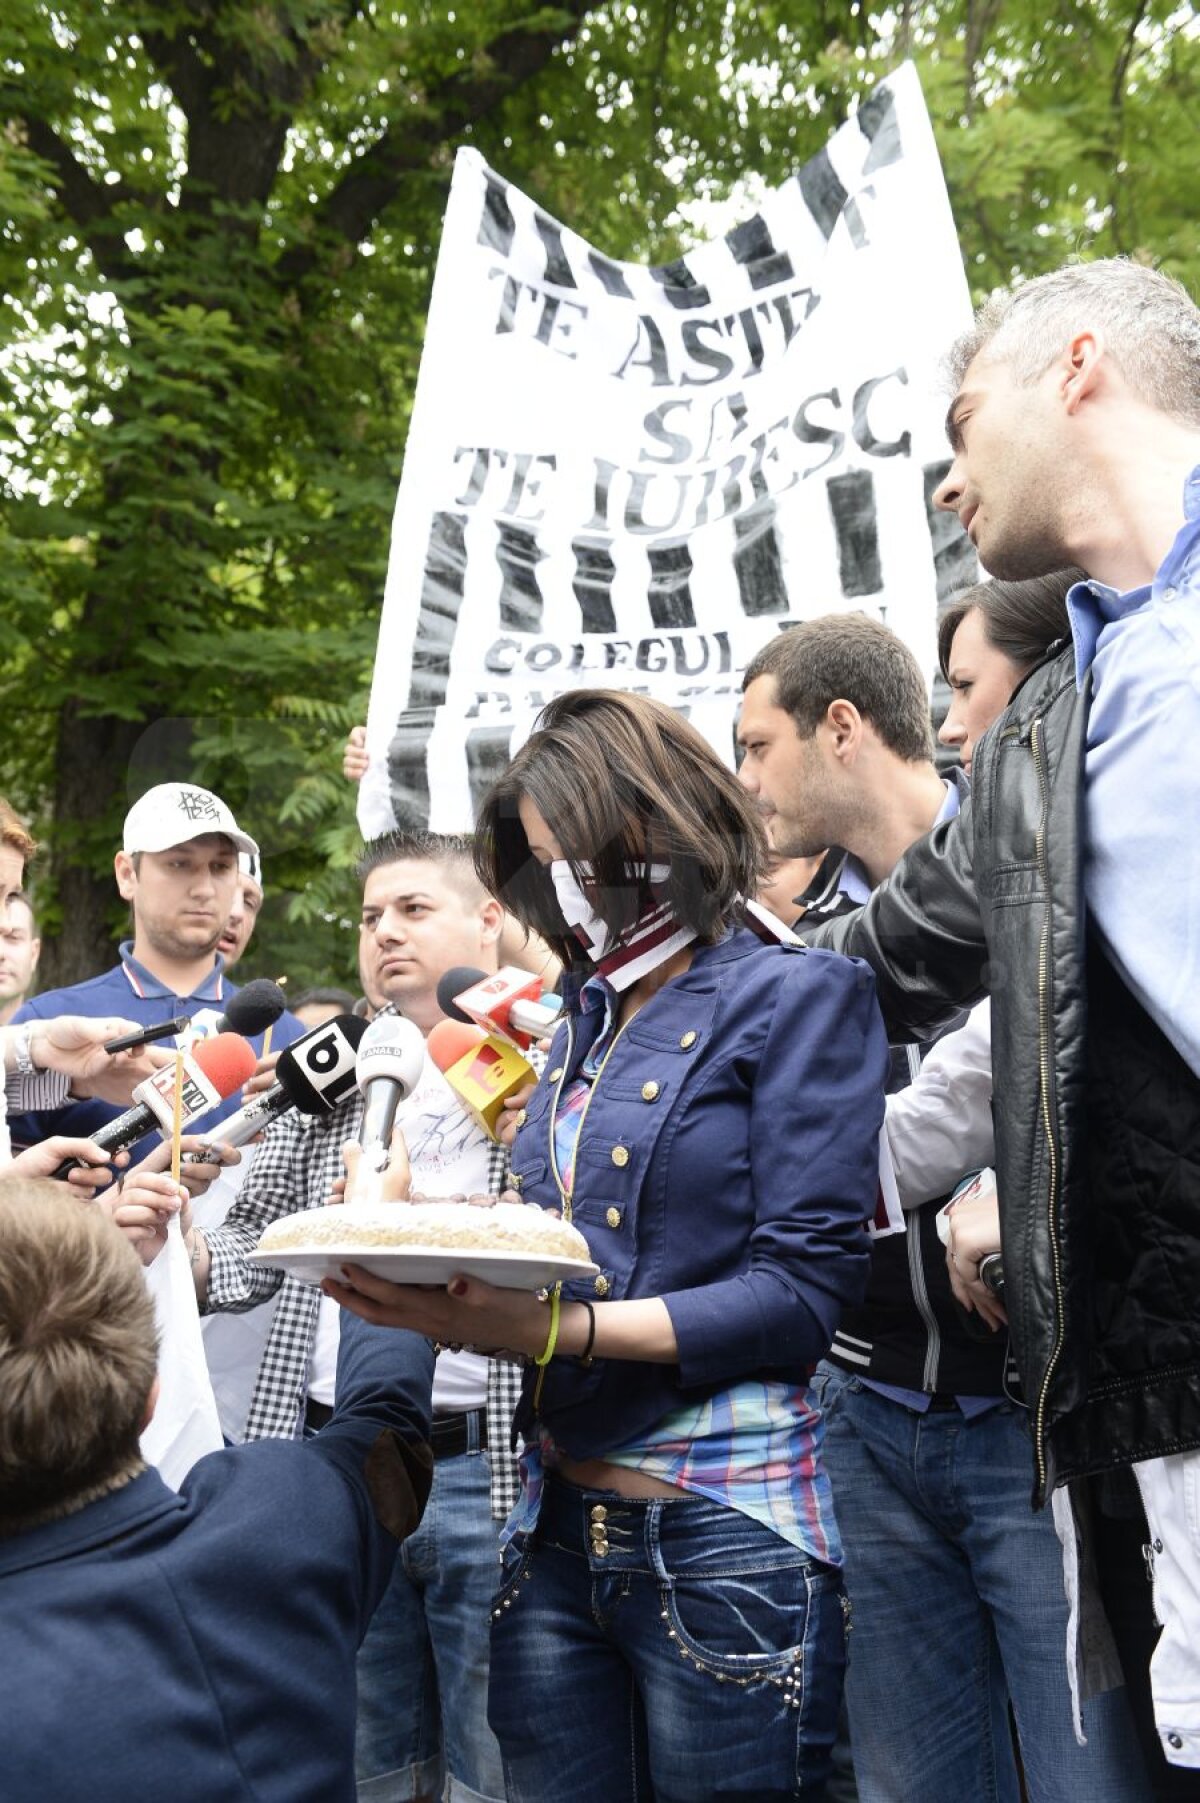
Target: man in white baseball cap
(173, 814)
(178, 870)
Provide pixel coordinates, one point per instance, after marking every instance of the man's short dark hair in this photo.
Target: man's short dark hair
(454, 853)
(849, 657)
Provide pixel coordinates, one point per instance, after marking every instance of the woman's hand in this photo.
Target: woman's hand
(467, 1312)
(973, 1231)
(506, 1125)
(142, 1209)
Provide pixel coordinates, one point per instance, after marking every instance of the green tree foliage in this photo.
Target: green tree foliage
(221, 223)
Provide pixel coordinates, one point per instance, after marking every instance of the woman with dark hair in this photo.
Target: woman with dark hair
(989, 639)
(670, 1618)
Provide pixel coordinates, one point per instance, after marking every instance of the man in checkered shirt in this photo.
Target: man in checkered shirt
(422, 1670)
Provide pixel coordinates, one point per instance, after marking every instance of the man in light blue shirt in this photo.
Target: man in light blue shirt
(1092, 459)
(1142, 648)
(1068, 889)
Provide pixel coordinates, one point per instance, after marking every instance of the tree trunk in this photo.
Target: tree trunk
(93, 761)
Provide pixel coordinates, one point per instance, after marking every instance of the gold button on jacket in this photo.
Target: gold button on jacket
(620, 1156)
(613, 1217)
(689, 1039)
(601, 1285)
(650, 1091)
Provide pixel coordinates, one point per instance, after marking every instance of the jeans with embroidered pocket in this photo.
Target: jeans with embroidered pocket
(660, 1649)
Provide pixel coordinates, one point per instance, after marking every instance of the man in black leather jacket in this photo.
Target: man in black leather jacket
(1076, 432)
(994, 901)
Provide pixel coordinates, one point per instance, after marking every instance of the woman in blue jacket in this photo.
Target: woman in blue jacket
(670, 1619)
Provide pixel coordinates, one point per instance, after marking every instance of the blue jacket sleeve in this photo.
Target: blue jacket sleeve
(378, 1440)
(815, 1118)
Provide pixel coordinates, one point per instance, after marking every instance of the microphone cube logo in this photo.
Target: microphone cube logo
(488, 1069)
(158, 1093)
(329, 1062)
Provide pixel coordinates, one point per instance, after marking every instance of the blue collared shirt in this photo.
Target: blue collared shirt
(1142, 837)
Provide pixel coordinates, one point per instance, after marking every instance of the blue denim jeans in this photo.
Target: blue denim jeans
(958, 1607)
(423, 1667)
(666, 1650)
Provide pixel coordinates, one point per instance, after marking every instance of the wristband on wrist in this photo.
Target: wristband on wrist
(547, 1352)
(22, 1045)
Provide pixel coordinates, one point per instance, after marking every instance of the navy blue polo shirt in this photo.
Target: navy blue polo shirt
(131, 992)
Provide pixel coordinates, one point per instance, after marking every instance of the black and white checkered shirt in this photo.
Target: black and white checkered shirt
(295, 1166)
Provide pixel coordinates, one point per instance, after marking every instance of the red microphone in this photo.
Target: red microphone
(507, 1004)
(212, 1070)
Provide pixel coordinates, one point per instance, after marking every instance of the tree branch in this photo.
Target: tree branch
(1121, 68)
(1117, 122)
(494, 72)
(88, 203)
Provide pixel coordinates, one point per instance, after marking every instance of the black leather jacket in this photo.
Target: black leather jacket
(993, 902)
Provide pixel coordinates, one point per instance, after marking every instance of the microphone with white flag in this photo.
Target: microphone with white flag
(391, 1061)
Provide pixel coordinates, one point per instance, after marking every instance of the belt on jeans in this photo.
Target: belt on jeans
(450, 1434)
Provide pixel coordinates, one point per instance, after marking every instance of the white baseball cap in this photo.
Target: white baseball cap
(172, 813)
(250, 864)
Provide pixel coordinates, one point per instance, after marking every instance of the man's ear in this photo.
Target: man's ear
(151, 1404)
(35, 952)
(126, 876)
(1081, 371)
(491, 921)
(844, 727)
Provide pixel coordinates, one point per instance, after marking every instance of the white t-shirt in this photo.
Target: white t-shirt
(449, 1156)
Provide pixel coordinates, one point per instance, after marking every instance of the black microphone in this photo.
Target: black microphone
(313, 1075)
(144, 1035)
(253, 1009)
(453, 984)
(991, 1273)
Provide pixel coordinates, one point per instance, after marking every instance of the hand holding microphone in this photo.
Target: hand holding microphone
(213, 1069)
(485, 1072)
(74, 1045)
(314, 1074)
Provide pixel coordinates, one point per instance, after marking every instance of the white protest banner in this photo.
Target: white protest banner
(631, 476)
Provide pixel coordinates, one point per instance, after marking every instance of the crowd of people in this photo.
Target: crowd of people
(798, 1493)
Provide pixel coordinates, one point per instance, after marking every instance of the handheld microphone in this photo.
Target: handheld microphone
(253, 1009)
(391, 1059)
(144, 1035)
(507, 1004)
(991, 1273)
(314, 1074)
(212, 1070)
(482, 1069)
